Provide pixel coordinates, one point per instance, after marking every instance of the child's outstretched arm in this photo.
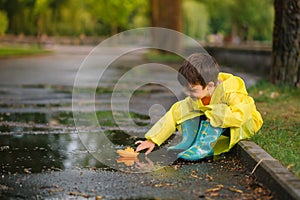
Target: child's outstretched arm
(166, 126)
(146, 144)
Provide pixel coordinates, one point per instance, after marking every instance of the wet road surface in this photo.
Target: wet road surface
(42, 155)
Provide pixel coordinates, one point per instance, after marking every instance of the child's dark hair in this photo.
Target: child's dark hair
(198, 68)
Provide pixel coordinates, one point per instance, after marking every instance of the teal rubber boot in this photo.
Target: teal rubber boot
(189, 131)
(203, 145)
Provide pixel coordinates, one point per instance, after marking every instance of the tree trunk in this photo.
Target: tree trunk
(286, 43)
(167, 14)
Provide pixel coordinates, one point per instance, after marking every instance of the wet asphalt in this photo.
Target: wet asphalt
(43, 157)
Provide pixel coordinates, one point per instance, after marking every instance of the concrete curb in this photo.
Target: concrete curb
(269, 171)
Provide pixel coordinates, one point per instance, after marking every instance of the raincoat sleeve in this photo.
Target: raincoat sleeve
(162, 129)
(166, 126)
(238, 109)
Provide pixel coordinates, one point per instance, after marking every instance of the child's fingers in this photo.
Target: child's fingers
(145, 145)
(149, 150)
(138, 142)
(141, 147)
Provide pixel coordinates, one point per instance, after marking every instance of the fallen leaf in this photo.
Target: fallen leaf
(213, 190)
(4, 187)
(163, 185)
(79, 194)
(176, 167)
(128, 153)
(258, 190)
(195, 175)
(55, 190)
(214, 194)
(290, 166)
(235, 190)
(274, 95)
(208, 177)
(27, 171)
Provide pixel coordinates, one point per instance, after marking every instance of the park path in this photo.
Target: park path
(43, 157)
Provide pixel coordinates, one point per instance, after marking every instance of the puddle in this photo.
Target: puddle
(37, 153)
(38, 142)
(36, 123)
(39, 118)
(29, 153)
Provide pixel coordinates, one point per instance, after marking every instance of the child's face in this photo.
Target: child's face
(196, 91)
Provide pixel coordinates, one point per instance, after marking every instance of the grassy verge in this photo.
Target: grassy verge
(11, 51)
(156, 56)
(280, 134)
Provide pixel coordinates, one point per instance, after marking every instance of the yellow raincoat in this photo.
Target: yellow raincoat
(230, 107)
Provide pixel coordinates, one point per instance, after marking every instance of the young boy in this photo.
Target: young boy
(216, 115)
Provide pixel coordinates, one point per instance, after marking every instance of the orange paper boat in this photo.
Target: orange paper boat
(127, 153)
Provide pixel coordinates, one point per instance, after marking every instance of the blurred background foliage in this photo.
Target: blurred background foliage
(249, 20)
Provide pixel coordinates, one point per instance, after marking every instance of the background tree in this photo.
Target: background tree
(247, 20)
(253, 19)
(195, 19)
(286, 43)
(18, 13)
(73, 17)
(3, 22)
(41, 11)
(167, 14)
(219, 15)
(116, 15)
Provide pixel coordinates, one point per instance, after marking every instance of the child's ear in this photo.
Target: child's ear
(211, 84)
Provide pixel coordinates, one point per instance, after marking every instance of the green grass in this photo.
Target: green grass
(156, 56)
(280, 134)
(107, 118)
(11, 51)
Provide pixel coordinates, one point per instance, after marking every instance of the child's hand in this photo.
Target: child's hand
(147, 144)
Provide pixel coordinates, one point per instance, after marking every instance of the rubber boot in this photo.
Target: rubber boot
(189, 131)
(203, 145)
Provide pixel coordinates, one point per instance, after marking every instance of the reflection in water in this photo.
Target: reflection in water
(139, 165)
(53, 118)
(39, 142)
(154, 161)
(127, 161)
(60, 121)
(38, 153)
(34, 153)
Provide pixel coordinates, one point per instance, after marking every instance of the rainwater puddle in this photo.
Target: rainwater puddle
(30, 153)
(35, 153)
(39, 142)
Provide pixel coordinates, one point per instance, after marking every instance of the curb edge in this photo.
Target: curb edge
(269, 171)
